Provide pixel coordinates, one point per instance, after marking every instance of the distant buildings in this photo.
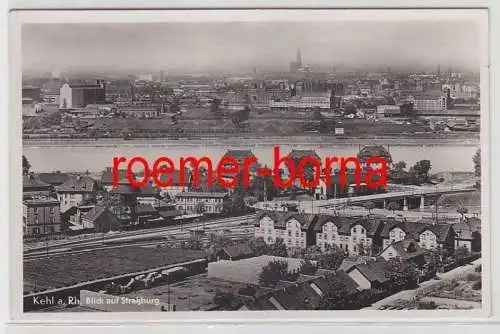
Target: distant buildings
(134, 111)
(74, 96)
(145, 77)
(32, 92)
(462, 90)
(388, 110)
(304, 102)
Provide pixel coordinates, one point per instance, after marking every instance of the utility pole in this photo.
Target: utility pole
(168, 292)
(265, 191)
(436, 208)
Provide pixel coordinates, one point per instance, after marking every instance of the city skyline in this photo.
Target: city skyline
(241, 45)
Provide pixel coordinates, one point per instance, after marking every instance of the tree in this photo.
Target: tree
(214, 107)
(250, 200)
(307, 268)
(369, 206)
(462, 211)
(404, 275)
(216, 242)
(362, 250)
(421, 171)
(223, 299)
(350, 109)
(477, 167)
(433, 262)
(376, 249)
(398, 169)
(460, 254)
(393, 206)
(240, 116)
(193, 243)
(273, 273)
(336, 297)
(312, 253)
(278, 248)
(263, 186)
(317, 114)
(26, 166)
(331, 260)
(258, 246)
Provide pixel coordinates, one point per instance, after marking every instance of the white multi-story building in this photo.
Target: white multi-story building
(294, 229)
(210, 202)
(428, 236)
(350, 235)
(41, 216)
(76, 191)
(304, 102)
(433, 104)
(75, 96)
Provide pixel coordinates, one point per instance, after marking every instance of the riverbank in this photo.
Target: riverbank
(318, 141)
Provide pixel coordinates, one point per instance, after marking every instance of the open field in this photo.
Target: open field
(64, 270)
(192, 294)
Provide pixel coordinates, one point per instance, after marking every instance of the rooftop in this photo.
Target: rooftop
(202, 194)
(54, 178)
(78, 184)
(376, 271)
(299, 154)
(41, 202)
(32, 182)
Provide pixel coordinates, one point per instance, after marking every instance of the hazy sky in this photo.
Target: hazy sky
(232, 45)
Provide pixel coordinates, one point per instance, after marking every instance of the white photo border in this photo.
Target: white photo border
(241, 317)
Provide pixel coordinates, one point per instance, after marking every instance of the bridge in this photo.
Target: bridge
(406, 196)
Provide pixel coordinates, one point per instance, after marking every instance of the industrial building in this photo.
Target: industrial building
(75, 96)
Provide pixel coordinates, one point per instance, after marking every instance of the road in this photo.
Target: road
(137, 237)
(348, 205)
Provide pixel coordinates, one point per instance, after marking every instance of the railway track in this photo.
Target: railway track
(147, 237)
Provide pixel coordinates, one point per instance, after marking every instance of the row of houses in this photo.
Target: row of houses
(80, 202)
(363, 235)
(61, 202)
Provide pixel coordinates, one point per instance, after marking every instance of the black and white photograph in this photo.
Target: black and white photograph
(326, 161)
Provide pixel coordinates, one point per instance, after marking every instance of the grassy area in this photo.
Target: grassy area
(470, 199)
(416, 304)
(64, 270)
(468, 288)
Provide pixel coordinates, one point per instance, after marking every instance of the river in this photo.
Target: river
(94, 157)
